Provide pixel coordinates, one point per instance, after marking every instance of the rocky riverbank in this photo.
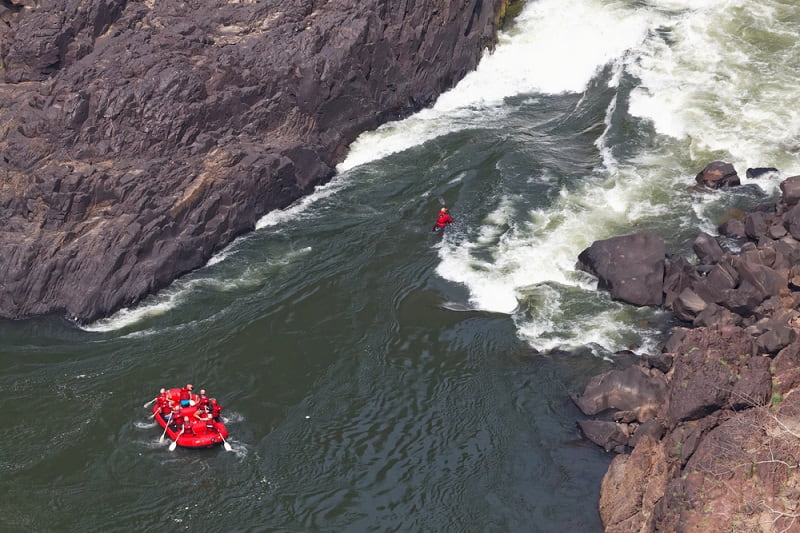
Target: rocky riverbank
(708, 430)
(138, 138)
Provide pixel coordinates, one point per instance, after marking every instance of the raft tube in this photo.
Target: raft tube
(203, 435)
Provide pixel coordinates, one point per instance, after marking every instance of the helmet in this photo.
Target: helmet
(443, 210)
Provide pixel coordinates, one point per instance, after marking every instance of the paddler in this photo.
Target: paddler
(442, 220)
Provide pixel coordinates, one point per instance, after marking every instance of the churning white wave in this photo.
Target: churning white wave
(715, 77)
(555, 46)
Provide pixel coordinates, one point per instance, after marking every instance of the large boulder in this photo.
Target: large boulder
(630, 267)
(634, 389)
(141, 137)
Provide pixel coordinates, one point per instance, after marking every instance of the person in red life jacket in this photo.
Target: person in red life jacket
(164, 406)
(187, 426)
(186, 395)
(443, 220)
(174, 419)
(216, 409)
(204, 421)
(202, 400)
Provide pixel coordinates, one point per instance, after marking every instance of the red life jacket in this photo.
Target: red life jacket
(185, 394)
(443, 220)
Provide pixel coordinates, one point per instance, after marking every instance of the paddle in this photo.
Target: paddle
(174, 443)
(165, 428)
(224, 442)
(148, 404)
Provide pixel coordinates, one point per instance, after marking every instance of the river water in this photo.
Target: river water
(377, 377)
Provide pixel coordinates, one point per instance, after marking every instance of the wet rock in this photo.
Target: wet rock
(718, 174)
(759, 172)
(630, 267)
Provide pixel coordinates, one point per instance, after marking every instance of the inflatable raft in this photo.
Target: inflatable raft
(199, 434)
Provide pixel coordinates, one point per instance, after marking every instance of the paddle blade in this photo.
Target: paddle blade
(227, 446)
(173, 445)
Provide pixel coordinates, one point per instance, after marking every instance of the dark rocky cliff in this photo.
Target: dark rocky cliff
(139, 137)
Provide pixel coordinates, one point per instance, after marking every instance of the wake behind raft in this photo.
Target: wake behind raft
(196, 425)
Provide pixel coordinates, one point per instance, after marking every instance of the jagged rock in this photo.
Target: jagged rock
(786, 368)
(684, 438)
(631, 487)
(631, 267)
(688, 305)
(739, 468)
(679, 275)
(714, 315)
(709, 373)
(718, 174)
(141, 137)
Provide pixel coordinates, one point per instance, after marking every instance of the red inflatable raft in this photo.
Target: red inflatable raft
(199, 433)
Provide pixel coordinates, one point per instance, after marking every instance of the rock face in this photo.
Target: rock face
(715, 442)
(138, 138)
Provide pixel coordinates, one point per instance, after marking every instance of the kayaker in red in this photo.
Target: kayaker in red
(443, 220)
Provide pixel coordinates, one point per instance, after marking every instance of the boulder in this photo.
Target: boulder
(608, 435)
(631, 267)
(790, 191)
(707, 249)
(759, 172)
(718, 174)
(633, 389)
(733, 228)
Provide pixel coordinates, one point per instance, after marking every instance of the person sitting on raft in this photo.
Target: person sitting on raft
(216, 409)
(187, 426)
(186, 396)
(443, 220)
(164, 406)
(202, 400)
(174, 419)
